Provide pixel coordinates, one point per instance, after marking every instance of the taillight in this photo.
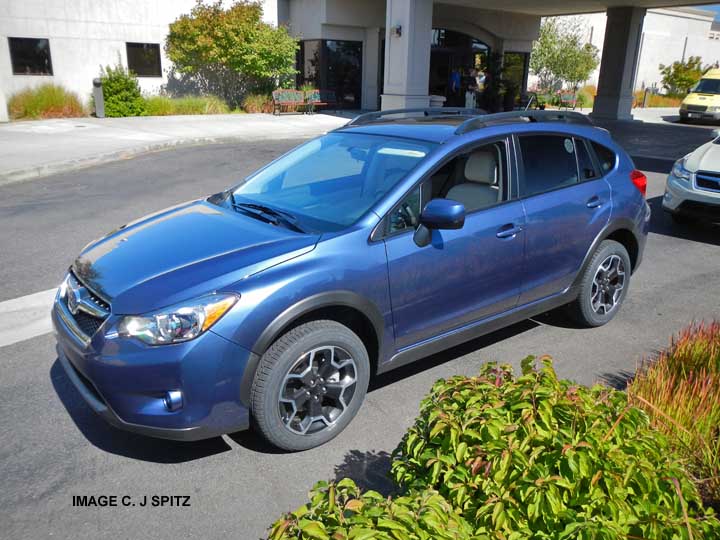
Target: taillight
(639, 180)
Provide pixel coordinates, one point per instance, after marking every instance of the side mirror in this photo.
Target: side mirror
(443, 214)
(715, 133)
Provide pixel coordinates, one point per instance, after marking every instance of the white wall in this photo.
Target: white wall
(667, 34)
(85, 34)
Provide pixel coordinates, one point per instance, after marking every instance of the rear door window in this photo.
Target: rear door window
(549, 163)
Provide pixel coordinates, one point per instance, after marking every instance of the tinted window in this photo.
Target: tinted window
(585, 163)
(549, 163)
(144, 59)
(329, 182)
(606, 157)
(30, 56)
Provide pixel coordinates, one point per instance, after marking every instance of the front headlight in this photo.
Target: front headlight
(178, 323)
(679, 171)
(714, 108)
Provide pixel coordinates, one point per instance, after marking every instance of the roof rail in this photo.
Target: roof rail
(568, 117)
(375, 116)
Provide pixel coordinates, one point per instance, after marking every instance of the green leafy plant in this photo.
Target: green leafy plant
(45, 101)
(680, 391)
(164, 106)
(230, 52)
(342, 512)
(539, 457)
(679, 77)
(257, 103)
(121, 92)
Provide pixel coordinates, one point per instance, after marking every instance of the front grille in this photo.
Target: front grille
(708, 180)
(697, 108)
(87, 309)
(87, 323)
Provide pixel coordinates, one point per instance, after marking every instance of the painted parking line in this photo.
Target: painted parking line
(25, 317)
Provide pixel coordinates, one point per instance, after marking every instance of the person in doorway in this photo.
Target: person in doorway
(470, 88)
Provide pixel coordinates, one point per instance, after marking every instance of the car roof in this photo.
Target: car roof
(442, 125)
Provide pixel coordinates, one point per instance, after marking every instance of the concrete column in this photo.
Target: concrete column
(616, 81)
(407, 57)
(371, 61)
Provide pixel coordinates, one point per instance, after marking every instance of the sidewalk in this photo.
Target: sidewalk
(43, 147)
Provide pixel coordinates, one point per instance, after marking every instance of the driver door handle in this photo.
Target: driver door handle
(508, 231)
(594, 202)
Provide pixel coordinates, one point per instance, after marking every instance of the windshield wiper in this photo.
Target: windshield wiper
(271, 215)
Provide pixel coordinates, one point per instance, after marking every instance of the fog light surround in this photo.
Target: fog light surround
(173, 400)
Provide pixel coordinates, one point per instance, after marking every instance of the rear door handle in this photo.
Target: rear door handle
(508, 231)
(594, 202)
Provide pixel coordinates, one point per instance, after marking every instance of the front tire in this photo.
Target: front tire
(309, 385)
(603, 286)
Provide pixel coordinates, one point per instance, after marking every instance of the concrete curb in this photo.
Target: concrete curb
(41, 171)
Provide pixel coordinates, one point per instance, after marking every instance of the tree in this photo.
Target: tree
(679, 77)
(560, 55)
(230, 52)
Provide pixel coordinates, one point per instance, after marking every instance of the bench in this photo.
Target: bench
(285, 100)
(320, 98)
(568, 100)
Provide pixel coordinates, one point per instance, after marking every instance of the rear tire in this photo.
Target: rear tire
(309, 385)
(603, 286)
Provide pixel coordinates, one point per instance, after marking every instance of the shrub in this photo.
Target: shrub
(121, 92)
(680, 390)
(341, 512)
(164, 106)
(657, 100)
(257, 103)
(539, 457)
(45, 101)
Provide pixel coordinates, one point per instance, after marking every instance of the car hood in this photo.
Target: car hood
(695, 98)
(704, 158)
(183, 252)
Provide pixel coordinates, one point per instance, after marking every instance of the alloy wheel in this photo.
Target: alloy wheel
(317, 390)
(607, 285)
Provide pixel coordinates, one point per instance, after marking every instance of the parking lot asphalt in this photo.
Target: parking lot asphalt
(52, 447)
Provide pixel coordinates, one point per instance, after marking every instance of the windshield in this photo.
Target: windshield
(707, 86)
(329, 183)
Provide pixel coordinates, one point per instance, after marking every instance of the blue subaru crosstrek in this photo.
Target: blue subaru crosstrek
(379, 243)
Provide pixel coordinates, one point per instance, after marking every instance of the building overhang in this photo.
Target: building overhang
(548, 8)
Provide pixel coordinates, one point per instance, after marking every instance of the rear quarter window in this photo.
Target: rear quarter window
(606, 158)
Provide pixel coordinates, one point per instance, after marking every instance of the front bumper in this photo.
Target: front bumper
(126, 382)
(685, 198)
(698, 115)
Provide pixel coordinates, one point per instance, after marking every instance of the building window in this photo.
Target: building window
(30, 56)
(333, 65)
(144, 59)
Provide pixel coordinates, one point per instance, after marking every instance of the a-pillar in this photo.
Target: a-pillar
(408, 30)
(619, 63)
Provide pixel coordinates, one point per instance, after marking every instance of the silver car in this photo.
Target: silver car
(693, 185)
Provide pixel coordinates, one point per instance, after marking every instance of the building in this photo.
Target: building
(387, 53)
(668, 35)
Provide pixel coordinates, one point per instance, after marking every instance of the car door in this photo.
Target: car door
(567, 203)
(463, 275)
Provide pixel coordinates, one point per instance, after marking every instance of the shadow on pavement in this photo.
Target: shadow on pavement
(369, 470)
(423, 364)
(109, 439)
(697, 231)
(619, 380)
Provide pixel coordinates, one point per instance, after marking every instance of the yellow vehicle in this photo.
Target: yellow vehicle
(703, 101)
